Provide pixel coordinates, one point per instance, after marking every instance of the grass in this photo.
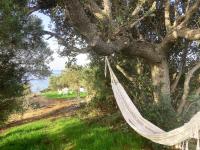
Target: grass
(67, 134)
(55, 95)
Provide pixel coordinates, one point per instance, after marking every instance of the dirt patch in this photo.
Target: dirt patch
(47, 109)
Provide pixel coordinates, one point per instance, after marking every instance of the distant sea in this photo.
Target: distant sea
(38, 85)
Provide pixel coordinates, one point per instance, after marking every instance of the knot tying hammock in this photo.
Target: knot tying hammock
(178, 137)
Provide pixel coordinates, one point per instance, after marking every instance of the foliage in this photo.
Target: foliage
(71, 77)
(102, 96)
(22, 53)
(70, 133)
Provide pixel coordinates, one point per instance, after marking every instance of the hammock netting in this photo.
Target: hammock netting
(178, 137)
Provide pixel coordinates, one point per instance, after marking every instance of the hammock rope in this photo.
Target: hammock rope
(178, 137)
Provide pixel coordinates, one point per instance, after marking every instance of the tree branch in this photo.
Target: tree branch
(188, 5)
(144, 50)
(135, 48)
(167, 15)
(189, 13)
(180, 29)
(139, 6)
(121, 43)
(95, 10)
(62, 41)
(126, 75)
(175, 12)
(107, 8)
(73, 49)
(52, 34)
(80, 21)
(190, 34)
(197, 92)
(187, 87)
(182, 65)
(81, 50)
(33, 9)
(152, 6)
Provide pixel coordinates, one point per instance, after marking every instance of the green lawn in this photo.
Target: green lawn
(55, 95)
(66, 134)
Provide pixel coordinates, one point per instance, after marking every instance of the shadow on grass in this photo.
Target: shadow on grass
(66, 134)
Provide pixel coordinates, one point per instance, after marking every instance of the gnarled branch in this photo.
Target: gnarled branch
(73, 49)
(187, 87)
(121, 43)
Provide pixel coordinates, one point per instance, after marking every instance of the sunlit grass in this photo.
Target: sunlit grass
(55, 95)
(66, 134)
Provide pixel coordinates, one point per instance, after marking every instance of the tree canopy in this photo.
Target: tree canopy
(72, 78)
(162, 36)
(23, 53)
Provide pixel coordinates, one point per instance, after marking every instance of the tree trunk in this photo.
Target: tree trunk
(161, 83)
(160, 79)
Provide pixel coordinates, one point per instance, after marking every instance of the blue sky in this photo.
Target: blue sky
(59, 62)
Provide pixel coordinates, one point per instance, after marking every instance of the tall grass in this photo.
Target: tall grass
(67, 134)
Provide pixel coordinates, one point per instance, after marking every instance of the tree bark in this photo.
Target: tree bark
(160, 80)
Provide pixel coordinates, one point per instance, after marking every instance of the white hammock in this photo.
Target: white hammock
(178, 137)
